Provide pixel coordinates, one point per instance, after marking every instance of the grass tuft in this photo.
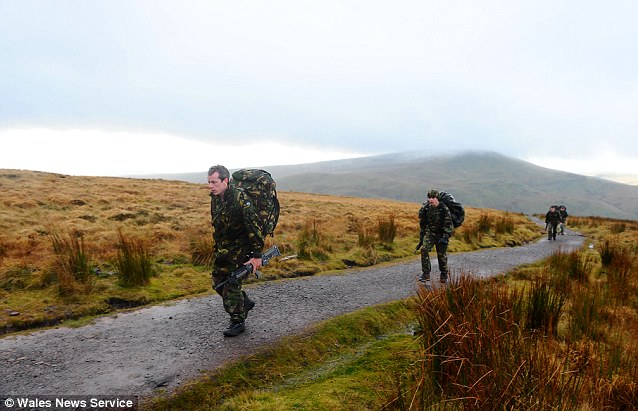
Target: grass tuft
(574, 264)
(387, 229)
(15, 278)
(618, 262)
(484, 223)
(201, 250)
(134, 263)
(504, 225)
(544, 306)
(72, 263)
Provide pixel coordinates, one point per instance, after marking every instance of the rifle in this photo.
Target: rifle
(243, 271)
(419, 245)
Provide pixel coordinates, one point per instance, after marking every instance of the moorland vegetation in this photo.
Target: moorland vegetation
(72, 247)
(557, 334)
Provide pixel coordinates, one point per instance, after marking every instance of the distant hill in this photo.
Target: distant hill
(479, 179)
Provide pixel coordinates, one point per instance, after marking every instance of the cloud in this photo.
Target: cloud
(118, 153)
(602, 163)
(527, 78)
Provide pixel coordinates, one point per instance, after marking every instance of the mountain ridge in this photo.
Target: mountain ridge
(482, 179)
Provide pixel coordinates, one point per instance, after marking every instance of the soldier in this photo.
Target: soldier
(436, 228)
(238, 241)
(563, 218)
(552, 219)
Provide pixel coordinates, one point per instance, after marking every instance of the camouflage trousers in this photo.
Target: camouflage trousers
(441, 255)
(233, 297)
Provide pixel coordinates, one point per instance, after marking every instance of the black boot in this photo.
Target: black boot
(235, 328)
(443, 278)
(425, 280)
(248, 304)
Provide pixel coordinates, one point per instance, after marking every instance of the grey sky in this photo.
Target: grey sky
(541, 80)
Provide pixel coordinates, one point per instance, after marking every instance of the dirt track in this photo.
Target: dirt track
(139, 352)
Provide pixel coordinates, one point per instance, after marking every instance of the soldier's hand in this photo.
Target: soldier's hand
(255, 262)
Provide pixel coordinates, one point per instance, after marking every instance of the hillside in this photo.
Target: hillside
(479, 179)
(169, 222)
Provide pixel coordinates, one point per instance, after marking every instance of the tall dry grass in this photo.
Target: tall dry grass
(324, 233)
(318, 228)
(489, 229)
(72, 264)
(600, 229)
(552, 344)
(386, 229)
(134, 263)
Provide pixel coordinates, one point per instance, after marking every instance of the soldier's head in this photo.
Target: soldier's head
(218, 180)
(433, 197)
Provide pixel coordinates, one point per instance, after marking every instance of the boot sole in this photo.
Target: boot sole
(234, 333)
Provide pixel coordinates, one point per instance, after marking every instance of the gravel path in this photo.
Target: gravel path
(139, 352)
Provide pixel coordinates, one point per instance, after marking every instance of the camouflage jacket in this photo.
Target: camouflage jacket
(236, 224)
(553, 217)
(435, 221)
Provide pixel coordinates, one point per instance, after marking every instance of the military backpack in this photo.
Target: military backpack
(456, 209)
(261, 188)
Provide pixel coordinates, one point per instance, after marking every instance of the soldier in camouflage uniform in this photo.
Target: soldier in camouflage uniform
(436, 228)
(552, 219)
(238, 241)
(562, 210)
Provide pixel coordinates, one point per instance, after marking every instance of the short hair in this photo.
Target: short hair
(433, 193)
(223, 171)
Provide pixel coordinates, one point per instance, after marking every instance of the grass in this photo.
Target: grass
(134, 264)
(72, 267)
(487, 345)
(560, 334)
(522, 341)
(169, 254)
(345, 363)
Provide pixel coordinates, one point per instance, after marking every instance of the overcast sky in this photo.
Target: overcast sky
(123, 87)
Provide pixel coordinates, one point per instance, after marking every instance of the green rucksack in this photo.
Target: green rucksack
(261, 188)
(456, 209)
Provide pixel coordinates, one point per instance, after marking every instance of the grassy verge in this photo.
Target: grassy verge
(344, 363)
(44, 306)
(560, 335)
